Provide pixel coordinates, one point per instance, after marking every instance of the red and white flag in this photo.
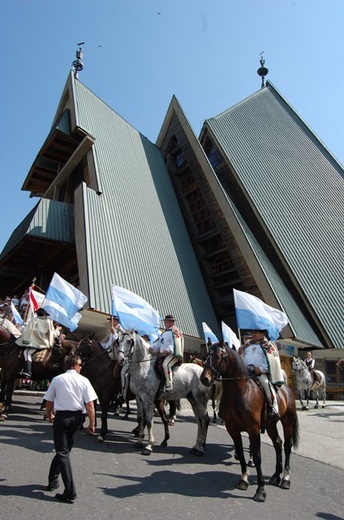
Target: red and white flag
(34, 305)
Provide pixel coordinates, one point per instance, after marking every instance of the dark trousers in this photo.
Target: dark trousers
(65, 427)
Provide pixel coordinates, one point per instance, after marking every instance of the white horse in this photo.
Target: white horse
(306, 383)
(144, 383)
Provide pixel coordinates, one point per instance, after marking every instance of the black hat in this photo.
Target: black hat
(42, 312)
(169, 317)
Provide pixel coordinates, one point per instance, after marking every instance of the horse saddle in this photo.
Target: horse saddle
(315, 376)
(42, 356)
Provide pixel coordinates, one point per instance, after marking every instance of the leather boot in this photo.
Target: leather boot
(27, 372)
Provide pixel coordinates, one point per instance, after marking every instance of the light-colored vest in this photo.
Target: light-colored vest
(38, 333)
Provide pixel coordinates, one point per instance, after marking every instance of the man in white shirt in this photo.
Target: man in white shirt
(68, 397)
(108, 342)
(170, 345)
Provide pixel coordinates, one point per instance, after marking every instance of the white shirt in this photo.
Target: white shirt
(164, 342)
(70, 391)
(253, 355)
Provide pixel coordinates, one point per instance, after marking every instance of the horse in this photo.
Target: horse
(145, 384)
(49, 364)
(99, 368)
(243, 408)
(216, 390)
(104, 374)
(307, 384)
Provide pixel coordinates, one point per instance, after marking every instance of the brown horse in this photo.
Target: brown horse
(49, 364)
(243, 408)
(105, 376)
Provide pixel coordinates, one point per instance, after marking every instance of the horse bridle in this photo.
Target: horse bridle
(224, 357)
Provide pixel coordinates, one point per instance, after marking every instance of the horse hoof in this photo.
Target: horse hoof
(195, 451)
(285, 484)
(260, 496)
(323, 406)
(275, 481)
(171, 422)
(100, 438)
(135, 431)
(146, 451)
(138, 445)
(316, 406)
(164, 443)
(250, 464)
(242, 485)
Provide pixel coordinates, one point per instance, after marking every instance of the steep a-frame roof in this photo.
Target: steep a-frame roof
(295, 188)
(131, 231)
(272, 287)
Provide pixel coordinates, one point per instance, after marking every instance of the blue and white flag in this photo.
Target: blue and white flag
(16, 316)
(134, 312)
(209, 336)
(253, 314)
(63, 301)
(229, 336)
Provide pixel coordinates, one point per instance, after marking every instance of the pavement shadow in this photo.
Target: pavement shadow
(199, 484)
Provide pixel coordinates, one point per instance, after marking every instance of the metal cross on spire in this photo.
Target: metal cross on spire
(77, 64)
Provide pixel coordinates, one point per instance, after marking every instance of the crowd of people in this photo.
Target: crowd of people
(70, 395)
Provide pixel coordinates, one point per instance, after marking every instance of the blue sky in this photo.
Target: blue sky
(138, 53)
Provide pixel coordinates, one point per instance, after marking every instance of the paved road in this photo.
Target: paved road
(114, 481)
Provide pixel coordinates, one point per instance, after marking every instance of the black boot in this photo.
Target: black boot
(26, 373)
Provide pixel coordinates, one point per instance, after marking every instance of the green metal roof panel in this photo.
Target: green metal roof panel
(298, 322)
(291, 179)
(135, 232)
(49, 219)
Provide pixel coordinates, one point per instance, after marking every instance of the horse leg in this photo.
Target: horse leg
(8, 393)
(316, 399)
(127, 404)
(140, 424)
(200, 409)
(2, 389)
(260, 494)
(172, 413)
(324, 396)
(149, 414)
(160, 406)
(239, 455)
(275, 480)
(104, 406)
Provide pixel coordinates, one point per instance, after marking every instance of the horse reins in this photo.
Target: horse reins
(218, 376)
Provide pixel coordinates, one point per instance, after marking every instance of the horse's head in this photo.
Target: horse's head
(125, 348)
(84, 348)
(217, 354)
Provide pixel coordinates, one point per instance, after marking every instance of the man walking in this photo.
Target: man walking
(67, 398)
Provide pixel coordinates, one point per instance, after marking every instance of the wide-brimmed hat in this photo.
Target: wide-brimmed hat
(42, 312)
(169, 317)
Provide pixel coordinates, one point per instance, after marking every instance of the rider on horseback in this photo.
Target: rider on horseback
(261, 357)
(310, 364)
(109, 341)
(170, 345)
(38, 335)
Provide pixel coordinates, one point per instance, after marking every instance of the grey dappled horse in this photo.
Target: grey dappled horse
(144, 383)
(306, 383)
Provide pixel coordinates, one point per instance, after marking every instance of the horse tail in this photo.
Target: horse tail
(295, 431)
